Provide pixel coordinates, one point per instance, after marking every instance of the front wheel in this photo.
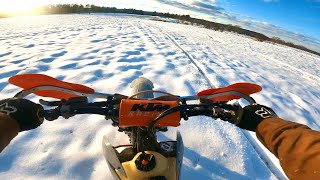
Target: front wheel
(142, 84)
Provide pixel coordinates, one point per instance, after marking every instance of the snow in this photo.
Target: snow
(106, 52)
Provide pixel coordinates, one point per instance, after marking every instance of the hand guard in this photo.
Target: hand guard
(253, 115)
(27, 114)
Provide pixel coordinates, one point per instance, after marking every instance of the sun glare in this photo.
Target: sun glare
(17, 7)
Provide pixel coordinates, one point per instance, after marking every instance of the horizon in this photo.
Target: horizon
(263, 16)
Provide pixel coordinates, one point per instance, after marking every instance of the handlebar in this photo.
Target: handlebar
(110, 109)
(213, 102)
(226, 112)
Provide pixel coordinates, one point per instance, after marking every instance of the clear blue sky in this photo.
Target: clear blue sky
(302, 16)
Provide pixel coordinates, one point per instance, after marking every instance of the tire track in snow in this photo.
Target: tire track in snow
(157, 39)
(194, 62)
(264, 157)
(186, 54)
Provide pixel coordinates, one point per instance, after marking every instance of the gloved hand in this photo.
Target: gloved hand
(253, 115)
(27, 114)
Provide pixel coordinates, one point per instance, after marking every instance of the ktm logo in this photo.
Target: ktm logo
(150, 107)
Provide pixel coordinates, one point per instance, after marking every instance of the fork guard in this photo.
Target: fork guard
(166, 167)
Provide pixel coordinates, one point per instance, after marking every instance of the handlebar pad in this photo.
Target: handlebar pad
(142, 112)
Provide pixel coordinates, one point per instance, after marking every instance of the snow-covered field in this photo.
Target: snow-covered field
(107, 52)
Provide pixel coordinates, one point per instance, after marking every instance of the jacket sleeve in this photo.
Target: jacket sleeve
(295, 145)
(8, 130)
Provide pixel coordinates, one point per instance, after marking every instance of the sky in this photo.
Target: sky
(297, 21)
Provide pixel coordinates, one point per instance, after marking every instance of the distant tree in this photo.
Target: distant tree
(88, 8)
(276, 39)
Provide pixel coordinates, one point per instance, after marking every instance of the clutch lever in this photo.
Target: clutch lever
(64, 108)
(50, 103)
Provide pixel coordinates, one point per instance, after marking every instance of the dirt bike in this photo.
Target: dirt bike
(140, 115)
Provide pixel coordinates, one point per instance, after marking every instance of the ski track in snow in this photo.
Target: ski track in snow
(107, 52)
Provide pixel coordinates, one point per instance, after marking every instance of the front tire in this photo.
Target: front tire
(142, 84)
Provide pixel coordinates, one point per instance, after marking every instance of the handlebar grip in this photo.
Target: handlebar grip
(232, 115)
(51, 114)
(225, 112)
